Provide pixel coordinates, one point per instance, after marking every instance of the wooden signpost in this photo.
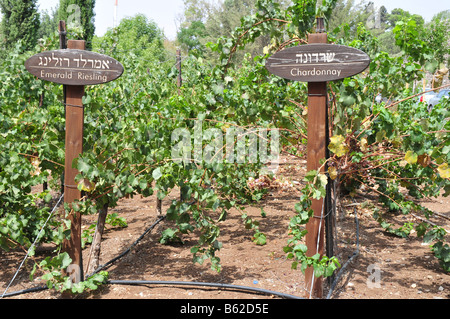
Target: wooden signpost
(317, 63)
(74, 68)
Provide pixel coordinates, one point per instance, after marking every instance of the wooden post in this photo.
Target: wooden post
(62, 34)
(179, 83)
(179, 79)
(317, 63)
(63, 67)
(74, 147)
(316, 151)
(63, 45)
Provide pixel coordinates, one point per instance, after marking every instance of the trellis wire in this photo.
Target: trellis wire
(355, 254)
(317, 246)
(34, 243)
(170, 283)
(149, 229)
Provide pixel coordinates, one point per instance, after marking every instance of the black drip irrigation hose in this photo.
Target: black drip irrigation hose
(160, 219)
(203, 284)
(40, 288)
(165, 283)
(25, 291)
(174, 283)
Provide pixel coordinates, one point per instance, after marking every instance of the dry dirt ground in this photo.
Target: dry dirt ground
(386, 267)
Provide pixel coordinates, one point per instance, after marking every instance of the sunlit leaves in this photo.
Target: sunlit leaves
(85, 185)
(157, 173)
(337, 145)
(444, 170)
(411, 157)
(364, 145)
(332, 172)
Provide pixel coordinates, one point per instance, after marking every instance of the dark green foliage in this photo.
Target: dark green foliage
(49, 23)
(190, 37)
(20, 22)
(129, 125)
(134, 35)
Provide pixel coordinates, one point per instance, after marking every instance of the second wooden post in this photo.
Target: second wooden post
(316, 151)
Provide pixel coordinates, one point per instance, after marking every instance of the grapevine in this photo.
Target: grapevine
(396, 149)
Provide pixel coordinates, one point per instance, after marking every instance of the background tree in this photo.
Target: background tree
(219, 20)
(20, 21)
(437, 35)
(399, 14)
(79, 14)
(49, 23)
(352, 13)
(226, 17)
(379, 21)
(136, 35)
(195, 10)
(190, 37)
(344, 12)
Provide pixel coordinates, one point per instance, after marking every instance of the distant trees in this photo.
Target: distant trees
(135, 35)
(380, 22)
(437, 35)
(20, 21)
(400, 14)
(205, 21)
(49, 23)
(190, 36)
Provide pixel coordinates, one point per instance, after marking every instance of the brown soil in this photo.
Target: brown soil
(407, 267)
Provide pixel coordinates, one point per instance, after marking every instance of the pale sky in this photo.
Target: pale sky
(165, 12)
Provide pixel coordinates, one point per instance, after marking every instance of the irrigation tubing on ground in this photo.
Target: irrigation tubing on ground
(33, 245)
(354, 255)
(203, 284)
(166, 283)
(160, 219)
(40, 288)
(25, 291)
(175, 283)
